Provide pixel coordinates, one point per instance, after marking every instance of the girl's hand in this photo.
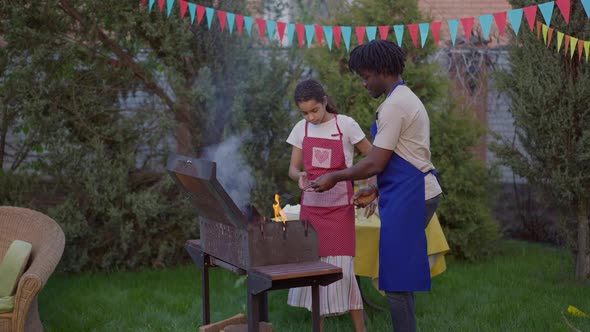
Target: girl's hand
(303, 181)
(370, 209)
(365, 196)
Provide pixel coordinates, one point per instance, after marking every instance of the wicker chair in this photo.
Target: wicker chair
(48, 241)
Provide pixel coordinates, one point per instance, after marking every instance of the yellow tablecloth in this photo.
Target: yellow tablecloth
(366, 261)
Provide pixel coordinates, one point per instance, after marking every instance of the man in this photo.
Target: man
(407, 186)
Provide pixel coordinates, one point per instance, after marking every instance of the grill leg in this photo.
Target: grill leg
(315, 307)
(205, 279)
(264, 307)
(254, 303)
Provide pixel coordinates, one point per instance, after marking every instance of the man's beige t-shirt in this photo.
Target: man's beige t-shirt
(403, 127)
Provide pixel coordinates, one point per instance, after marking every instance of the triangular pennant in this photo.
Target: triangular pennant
(329, 33)
(271, 27)
(539, 29)
(240, 22)
(467, 24)
(545, 29)
(565, 7)
(383, 31)
(453, 27)
(161, 4)
(183, 7)
(346, 34)
(587, 49)
(413, 29)
(435, 27)
(337, 34)
(200, 13)
(500, 19)
(143, 2)
(586, 4)
(231, 19)
(515, 17)
(580, 49)
(290, 32)
(573, 43)
(547, 11)
(309, 32)
(261, 23)
(281, 29)
(192, 8)
(559, 40)
(169, 5)
(486, 24)
(371, 33)
(399, 34)
(248, 24)
(319, 34)
(222, 16)
(530, 13)
(151, 5)
(210, 13)
(567, 44)
(550, 37)
(360, 34)
(300, 28)
(424, 28)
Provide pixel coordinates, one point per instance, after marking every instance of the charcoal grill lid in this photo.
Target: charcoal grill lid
(197, 179)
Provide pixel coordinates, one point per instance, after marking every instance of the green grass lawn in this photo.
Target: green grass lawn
(526, 287)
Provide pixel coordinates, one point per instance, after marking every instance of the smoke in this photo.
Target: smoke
(234, 174)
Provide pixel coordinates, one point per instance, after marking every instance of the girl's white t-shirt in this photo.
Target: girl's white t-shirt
(351, 134)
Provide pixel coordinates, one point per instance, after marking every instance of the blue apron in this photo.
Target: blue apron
(403, 257)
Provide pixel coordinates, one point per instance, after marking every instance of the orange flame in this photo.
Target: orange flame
(279, 214)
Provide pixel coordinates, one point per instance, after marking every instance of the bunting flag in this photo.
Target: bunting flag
(586, 4)
(539, 30)
(467, 27)
(500, 19)
(300, 28)
(566, 44)
(281, 30)
(486, 24)
(248, 24)
(547, 11)
(240, 21)
(559, 40)
(222, 16)
(337, 35)
(161, 4)
(329, 33)
(151, 5)
(587, 49)
(192, 9)
(291, 32)
(183, 7)
(169, 5)
(573, 44)
(200, 13)
(424, 27)
(453, 26)
(261, 27)
(309, 32)
(435, 27)
(384, 31)
(371, 33)
(550, 32)
(360, 34)
(271, 27)
(399, 34)
(564, 6)
(231, 19)
(346, 33)
(530, 13)
(319, 34)
(545, 29)
(515, 17)
(413, 29)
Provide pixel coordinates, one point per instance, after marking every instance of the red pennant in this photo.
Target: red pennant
(337, 34)
(550, 32)
(467, 27)
(500, 22)
(539, 30)
(580, 49)
(281, 29)
(383, 31)
(144, 2)
(319, 33)
(564, 6)
(300, 28)
(183, 7)
(360, 34)
(222, 15)
(567, 43)
(200, 13)
(530, 13)
(161, 4)
(261, 27)
(413, 28)
(435, 27)
(240, 22)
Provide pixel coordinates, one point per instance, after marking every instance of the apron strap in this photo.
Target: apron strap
(337, 127)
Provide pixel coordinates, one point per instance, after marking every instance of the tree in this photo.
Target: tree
(465, 213)
(549, 93)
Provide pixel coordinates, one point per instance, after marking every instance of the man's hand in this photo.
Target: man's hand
(303, 181)
(324, 183)
(365, 196)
